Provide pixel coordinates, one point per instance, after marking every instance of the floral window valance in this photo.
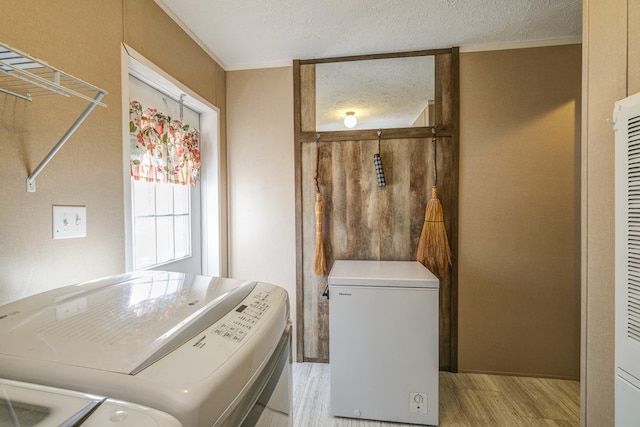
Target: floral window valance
(162, 149)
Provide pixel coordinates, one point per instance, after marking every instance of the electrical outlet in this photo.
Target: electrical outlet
(69, 222)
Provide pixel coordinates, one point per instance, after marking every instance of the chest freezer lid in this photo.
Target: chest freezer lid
(402, 274)
(118, 324)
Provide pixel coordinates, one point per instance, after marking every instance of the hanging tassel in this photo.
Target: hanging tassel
(434, 251)
(377, 163)
(433, 248)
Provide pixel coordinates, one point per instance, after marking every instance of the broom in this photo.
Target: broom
(433, 247)
(319, 260)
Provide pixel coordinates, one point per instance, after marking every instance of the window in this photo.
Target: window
(156, 229)
(161, 222)
(164, 166)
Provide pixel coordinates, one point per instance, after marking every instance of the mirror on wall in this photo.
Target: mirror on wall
(396, 92)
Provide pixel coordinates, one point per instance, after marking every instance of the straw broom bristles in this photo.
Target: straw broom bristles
(433, 248)
(319, 262)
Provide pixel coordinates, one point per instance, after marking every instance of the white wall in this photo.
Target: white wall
(261, 178)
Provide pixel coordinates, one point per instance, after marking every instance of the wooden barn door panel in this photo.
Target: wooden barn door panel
(361, 220)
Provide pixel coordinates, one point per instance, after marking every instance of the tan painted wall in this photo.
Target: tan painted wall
(611, 71)
(84, 40)
(261, 177)
(518, 284)
(634, 47)
(542, 132)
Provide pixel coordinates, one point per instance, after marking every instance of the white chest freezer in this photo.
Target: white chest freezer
(383, 341)
(208, 351)
(33, 405)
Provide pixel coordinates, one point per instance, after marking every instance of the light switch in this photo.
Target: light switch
(69, 222)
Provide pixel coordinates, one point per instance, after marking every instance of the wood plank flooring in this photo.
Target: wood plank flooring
(466, 400)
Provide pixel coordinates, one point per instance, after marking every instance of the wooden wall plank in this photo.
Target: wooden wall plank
(308, 98)
(369, 202)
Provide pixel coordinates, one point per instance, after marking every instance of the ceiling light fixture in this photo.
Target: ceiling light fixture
(350, 121)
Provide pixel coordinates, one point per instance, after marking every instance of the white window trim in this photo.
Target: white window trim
(211, 179)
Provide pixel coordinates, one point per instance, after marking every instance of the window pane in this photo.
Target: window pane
(183, 248)
(144, 202)
(165, 239)
(162, 223)
(164, 199)
(181, 198)
(144, 242)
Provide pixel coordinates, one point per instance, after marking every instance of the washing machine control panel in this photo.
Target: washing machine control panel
(250, 328)
(237, 324)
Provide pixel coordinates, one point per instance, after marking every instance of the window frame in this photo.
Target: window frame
(212, 203)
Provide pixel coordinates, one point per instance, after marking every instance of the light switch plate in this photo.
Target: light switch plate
(69, 222)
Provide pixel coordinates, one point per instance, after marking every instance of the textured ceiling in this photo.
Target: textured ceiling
(262, 33)
(243, 34)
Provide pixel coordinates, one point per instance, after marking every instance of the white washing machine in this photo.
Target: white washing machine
(33, 405)
(208, 351)
(383, 341)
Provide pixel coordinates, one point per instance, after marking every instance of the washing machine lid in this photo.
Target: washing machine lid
(118, 324)
(24, 404)
(397, 274)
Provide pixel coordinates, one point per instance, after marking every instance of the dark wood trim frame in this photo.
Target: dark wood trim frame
(447, 125)
(455, 185)
(375, 56)
(297, 152)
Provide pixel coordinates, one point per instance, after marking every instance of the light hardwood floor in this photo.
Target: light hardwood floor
(466, 400)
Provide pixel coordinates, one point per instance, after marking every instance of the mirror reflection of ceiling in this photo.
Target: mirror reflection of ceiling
(245, 34)
(383, 93)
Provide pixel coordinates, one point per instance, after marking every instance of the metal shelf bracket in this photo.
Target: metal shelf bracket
(25, 77)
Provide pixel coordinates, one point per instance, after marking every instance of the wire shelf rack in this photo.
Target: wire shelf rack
(26, 77)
